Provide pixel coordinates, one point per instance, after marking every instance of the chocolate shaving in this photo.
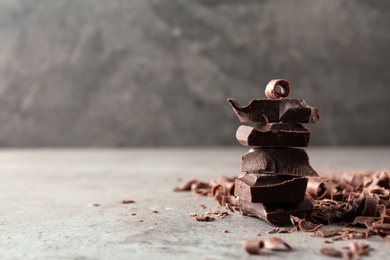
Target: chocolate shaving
(282, 230)
(274, 243)
(126, 201)
(326, 232)
(330, 251)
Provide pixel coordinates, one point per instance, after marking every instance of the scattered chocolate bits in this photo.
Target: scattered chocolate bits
(353, 251)
(329, 206)
(154, 211)
(126, 201)
(133, 213)
(225, 231)
(94, 205)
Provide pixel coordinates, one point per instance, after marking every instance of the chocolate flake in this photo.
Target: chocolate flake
(126, 201)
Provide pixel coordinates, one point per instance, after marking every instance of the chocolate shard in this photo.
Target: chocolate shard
(286, 161)
(276, 111)
(274, 135)
(254, 187)
(276, 214)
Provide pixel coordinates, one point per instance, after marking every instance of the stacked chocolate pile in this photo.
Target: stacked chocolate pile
(274, 184)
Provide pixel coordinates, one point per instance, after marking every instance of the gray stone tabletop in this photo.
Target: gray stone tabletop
(46, 197)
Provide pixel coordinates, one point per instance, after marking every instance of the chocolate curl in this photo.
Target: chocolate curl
(351, 180)
(271, 90)
(316, 188)
(384, 180)
(253, 247)
(369, 208)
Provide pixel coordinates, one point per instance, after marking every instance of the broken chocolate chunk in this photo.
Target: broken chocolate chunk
(285, 161)
(274, 135)
(276, 214)
(255, 187)
(276, 111)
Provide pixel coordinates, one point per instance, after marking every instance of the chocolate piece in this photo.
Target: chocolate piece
(276, 111)
(286, 161)
(276, 214)
(274, 135)
(254, 187)
(271, 90)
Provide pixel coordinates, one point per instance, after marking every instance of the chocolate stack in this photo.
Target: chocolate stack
(274, 184)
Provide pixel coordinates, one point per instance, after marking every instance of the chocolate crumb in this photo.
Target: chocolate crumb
(226, 231)
(154, 211)
(133, 213)
(204, 218)
(94, 205)
(126, 201)
(140, 220)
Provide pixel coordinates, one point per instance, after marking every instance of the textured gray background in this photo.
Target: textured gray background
(135, 73)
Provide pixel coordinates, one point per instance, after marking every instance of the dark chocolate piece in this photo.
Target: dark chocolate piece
(286, 161)
(276, 111)
(274, 135)
(276, 214)
(254, 187)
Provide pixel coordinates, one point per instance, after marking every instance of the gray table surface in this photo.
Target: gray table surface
(44, 212)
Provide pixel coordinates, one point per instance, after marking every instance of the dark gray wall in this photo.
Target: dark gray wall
(135, 73)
